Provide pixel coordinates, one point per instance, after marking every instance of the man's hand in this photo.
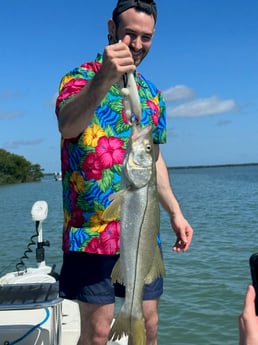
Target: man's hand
(183, 231)
(117, 60)
(248, 321)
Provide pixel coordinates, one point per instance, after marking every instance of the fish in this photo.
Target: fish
(140, 260)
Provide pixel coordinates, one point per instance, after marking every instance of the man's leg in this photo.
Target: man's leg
(95, 323)
(86, 278)
(151, 317)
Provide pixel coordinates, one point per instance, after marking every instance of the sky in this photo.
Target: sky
(204, 58)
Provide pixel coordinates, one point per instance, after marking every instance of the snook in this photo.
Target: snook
(140, 259)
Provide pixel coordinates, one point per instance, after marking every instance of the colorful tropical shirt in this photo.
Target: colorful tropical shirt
(92, 162)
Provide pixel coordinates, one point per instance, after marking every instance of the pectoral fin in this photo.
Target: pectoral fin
(114, 209)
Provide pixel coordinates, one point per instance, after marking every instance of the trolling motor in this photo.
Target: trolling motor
(39, 213)
(42, 273)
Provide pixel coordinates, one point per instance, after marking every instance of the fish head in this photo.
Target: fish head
(139, 164)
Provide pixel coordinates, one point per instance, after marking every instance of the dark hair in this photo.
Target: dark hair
(147, 6)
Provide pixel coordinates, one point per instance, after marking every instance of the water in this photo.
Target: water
(205, 287)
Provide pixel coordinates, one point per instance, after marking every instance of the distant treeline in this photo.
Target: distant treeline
(16, 169)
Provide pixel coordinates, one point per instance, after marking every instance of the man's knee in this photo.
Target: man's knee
(151, 325)
(151, 317)
(100, 334)
(95, 323)
(95, 334)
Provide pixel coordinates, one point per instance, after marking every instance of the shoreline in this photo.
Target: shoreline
(193, 167)
(211, 166)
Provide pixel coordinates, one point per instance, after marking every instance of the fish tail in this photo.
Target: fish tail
(128, 325)
(138, 332)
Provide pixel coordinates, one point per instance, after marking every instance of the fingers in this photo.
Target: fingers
(180, 245)
(186, 246)
(184, 239)
(248, 321)
(249, 306)
(119, 54)
(117, 60)
(127, 40)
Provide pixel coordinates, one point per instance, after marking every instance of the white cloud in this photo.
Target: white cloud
(178, 92)
(202, 107)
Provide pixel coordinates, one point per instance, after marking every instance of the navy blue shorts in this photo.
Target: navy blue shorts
(86, 277)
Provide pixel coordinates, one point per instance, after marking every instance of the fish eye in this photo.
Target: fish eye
(148, 148)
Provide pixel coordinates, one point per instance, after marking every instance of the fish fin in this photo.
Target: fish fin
(116, 274)
(112, 211)
(157, 268)
(114, 208)
(128, 325)
(138, 332)
(118, 195)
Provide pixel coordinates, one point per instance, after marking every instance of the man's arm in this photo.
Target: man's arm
(180, 225)
(76, 113)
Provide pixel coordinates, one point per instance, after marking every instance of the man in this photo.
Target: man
(95, 131)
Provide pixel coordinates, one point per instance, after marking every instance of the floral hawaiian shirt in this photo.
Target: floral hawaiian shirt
(92, 162)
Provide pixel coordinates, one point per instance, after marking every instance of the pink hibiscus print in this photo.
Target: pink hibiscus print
(155, 109)
(110, 238)
(92, 167)
(108, 242)
(92, 66)
(94, 246)
(110, 151)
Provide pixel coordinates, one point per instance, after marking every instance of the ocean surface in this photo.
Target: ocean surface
(204, 287)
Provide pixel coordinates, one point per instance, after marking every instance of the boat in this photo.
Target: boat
(58, 176)
(31, 311)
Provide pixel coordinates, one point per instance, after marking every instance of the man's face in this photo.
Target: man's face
(140, 27)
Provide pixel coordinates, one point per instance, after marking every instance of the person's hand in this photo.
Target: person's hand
(183, 231)
(248, 321)
(117, 60)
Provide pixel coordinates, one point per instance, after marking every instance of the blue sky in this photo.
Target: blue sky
(204, 58)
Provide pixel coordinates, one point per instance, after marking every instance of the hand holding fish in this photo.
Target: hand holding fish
(117, 60)
(183, 231)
